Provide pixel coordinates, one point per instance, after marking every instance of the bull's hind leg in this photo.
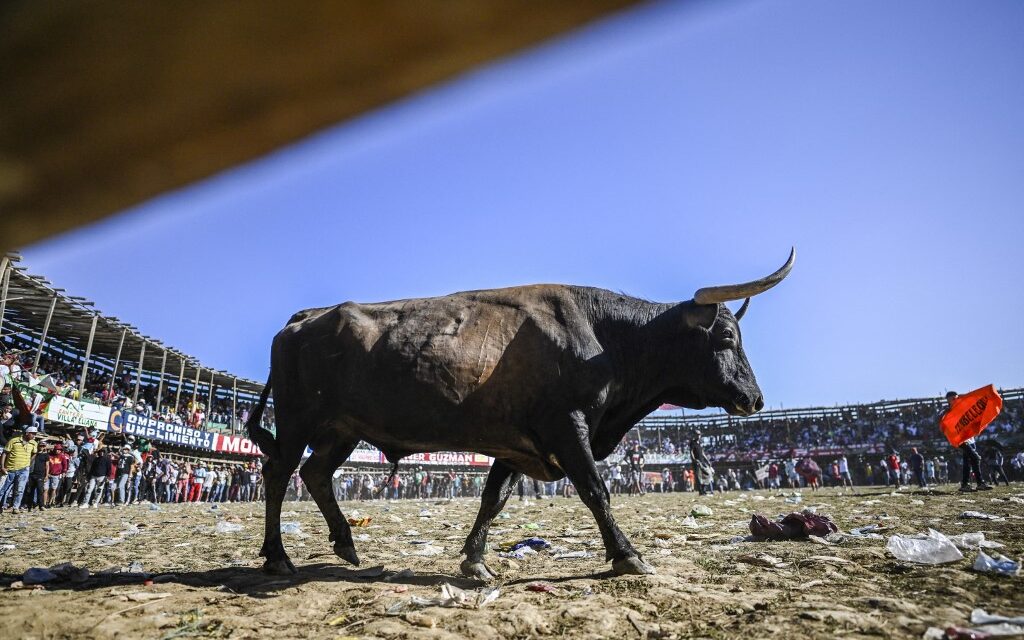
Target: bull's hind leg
(500, 482)
(318, 474)
(276, 473)
(574, 456)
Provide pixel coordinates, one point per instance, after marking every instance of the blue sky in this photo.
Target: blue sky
(667, 148)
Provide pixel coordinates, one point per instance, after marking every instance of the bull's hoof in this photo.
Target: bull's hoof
(477, 570)
(347, 553)
(632, 566)
(283, 567)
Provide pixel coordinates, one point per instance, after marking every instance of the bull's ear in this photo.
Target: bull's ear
(701, 315)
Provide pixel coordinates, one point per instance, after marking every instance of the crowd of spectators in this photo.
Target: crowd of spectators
(60, 376)
(863, 430)
(414, 483)
(85, 470)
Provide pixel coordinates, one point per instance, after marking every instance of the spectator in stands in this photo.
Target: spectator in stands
(15, 462)
(56, 466)
(99, 472)
(123, 474)
(37, 477)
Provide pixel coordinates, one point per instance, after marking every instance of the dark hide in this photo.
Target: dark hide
(546, 379)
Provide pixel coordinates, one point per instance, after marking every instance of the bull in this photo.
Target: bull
(547, 379)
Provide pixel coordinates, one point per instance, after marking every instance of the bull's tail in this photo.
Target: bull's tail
(257, 433)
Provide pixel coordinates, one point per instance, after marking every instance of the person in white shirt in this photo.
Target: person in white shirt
(844, 473)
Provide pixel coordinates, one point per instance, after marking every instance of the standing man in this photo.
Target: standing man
(15, 462)
(56, 467)
(893, 462)
(99, 471)
(845, 479)
(917, 466)
(635, 457)
(972, 461)
(123, 475)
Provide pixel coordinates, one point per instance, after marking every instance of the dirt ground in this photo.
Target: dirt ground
(209, 585)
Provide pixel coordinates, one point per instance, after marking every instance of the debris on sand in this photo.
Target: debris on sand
(450, 596)
(977, 515)
(926, 548)
(762, 560)
(996, 563)
(227, 527)
(793, 526)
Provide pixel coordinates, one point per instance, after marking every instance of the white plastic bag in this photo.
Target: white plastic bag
(996, 563)
(930, 548)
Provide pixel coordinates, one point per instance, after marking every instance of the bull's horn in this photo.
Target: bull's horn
(725, 293)
(743, 310)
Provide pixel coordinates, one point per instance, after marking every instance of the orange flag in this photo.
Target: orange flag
(970, 414)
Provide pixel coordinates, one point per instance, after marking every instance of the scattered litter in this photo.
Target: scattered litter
(362, 537)
(533, 543)
(794, 499)
(7, 547)
(105, 542)
(975, 541)
(870, 531)
(425, 513)
(762, 560)
(426, 550)
(154, 506)
(291, 528)
(691, 522)
(541, 587)
(572, 555)
(701, 511)
(49, 529)
(518, 554)
(819, 540)
(333, 622)
(532, 526)
(450, 596)
(145, 596)
(393, 518)
(930, 548)
(794, 525)
(823, 560)
(996, 624)
(227, 527)
(996, 563)
(135, 567)
(980, 516)
(360, 522)
(420, 620)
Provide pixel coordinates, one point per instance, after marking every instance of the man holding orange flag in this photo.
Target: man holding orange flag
(964, 419)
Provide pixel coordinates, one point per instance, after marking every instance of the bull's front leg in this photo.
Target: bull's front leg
(500, 482)
(572, 453)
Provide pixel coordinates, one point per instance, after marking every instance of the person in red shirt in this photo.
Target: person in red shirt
(56, 467)
(894, 469)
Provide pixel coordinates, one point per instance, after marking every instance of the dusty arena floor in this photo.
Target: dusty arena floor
(209, 585)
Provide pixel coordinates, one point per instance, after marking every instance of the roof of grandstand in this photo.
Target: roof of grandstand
(71, 322)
